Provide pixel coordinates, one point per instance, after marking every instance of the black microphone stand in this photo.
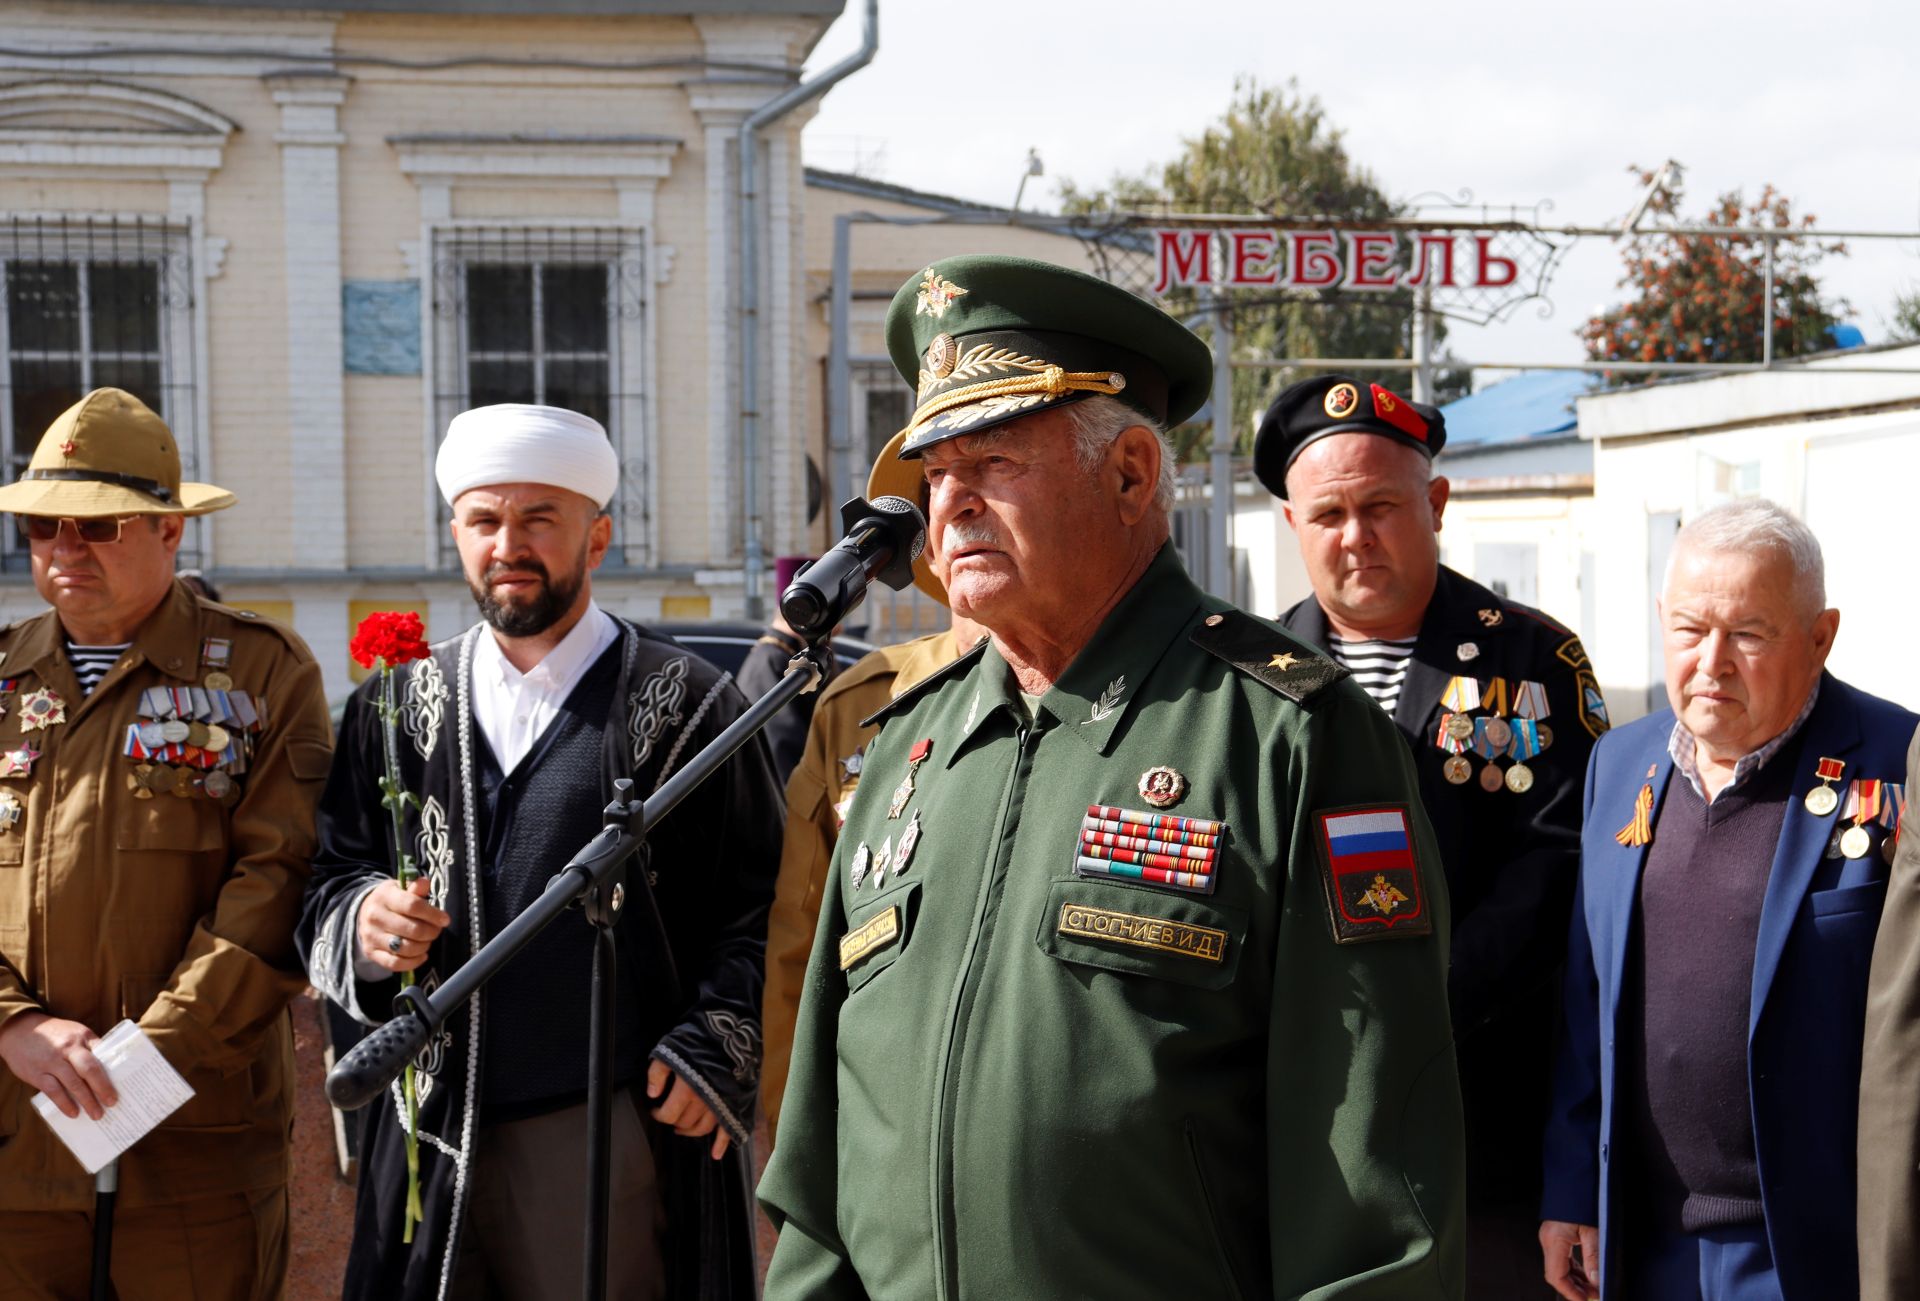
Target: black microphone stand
(595, 879)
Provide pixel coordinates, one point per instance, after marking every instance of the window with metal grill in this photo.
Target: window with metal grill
(92, 302)
(548, 315)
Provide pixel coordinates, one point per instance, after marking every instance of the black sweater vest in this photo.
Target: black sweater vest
(534, 1014)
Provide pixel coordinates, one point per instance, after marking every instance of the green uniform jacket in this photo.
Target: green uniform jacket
(1049, 1085)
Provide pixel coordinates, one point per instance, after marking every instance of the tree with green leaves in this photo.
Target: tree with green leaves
(1906, 314)
(1274, 152)
(1702, 298)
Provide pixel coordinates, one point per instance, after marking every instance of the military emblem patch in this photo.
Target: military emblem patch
(1374, 890)
(1340, 401)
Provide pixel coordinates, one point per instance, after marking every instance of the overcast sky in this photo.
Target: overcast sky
(1522, 103)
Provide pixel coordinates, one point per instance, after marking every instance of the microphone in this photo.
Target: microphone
(883, 538)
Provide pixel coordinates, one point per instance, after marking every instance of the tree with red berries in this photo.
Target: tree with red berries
(1702, 298)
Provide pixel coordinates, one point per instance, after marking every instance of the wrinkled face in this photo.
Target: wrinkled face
(1018, 532)
(527, 549)
(109, 586)
(1367, 514)
(1742, 649)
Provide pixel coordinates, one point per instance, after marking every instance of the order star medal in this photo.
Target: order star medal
(18, 763)
(904, 791)
(42, 708)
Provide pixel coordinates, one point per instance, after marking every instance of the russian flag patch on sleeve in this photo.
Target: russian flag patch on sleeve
(1374, 886)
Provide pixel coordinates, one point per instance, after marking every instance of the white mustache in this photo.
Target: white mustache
(967, 533)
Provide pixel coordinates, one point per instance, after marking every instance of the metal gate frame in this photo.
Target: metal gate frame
(846, 477)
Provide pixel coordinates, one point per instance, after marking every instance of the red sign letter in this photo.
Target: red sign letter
(1489, 260)
(1370, 260)
(1424, 248)
(1191, 265)
(1314, 264)
(1251, 247)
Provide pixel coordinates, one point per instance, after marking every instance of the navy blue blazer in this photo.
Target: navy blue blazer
(1808, 1004)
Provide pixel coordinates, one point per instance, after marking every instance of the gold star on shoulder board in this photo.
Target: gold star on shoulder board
(1285, 661)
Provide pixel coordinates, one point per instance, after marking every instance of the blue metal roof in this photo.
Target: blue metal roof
(1533, 404)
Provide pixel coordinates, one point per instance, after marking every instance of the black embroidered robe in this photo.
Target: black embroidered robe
(693, 932)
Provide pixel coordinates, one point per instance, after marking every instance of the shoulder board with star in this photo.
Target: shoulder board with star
(1260, 650)
(926, 684)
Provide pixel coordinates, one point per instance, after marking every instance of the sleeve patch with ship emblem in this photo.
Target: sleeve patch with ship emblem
(1373, 879)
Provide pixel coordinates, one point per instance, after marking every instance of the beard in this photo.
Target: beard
(535, 615)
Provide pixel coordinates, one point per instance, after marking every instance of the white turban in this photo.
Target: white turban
(516, 443)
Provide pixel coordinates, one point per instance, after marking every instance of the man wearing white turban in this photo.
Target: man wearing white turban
(510, 738)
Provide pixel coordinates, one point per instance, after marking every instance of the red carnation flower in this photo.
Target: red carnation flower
(391, 637)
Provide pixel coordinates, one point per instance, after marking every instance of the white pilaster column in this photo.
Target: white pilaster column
(310, 140)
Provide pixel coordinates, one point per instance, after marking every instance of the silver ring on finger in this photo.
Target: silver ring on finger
(393, 943)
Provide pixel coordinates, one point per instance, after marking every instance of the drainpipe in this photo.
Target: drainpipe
(749, 293)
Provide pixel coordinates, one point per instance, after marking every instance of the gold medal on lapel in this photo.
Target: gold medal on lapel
(1823, 799)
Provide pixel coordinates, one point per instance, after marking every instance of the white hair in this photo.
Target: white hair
(1754, 523)
(1096, 421)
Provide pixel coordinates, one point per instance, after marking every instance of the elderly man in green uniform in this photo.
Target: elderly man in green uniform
(1130, 972)
(1500, 709)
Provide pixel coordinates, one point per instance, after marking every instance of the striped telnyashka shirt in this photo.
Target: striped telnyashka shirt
(1378, 666)
(90, 663)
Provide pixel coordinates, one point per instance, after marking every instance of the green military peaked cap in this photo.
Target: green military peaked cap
(985, 339)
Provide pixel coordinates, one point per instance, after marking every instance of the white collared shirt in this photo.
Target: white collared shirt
(513, 708)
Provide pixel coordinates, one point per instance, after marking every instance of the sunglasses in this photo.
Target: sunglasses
(98, 530)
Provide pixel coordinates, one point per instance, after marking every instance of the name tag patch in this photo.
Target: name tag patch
(872, 935)
(1183, 939)
(1373, 881)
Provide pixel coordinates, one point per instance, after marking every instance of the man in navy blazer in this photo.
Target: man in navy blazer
(1733, 868)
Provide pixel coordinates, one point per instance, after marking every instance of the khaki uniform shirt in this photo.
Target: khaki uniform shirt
(818, 793)
(174, 910)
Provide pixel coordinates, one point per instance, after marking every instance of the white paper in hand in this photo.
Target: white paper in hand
(150, 1090)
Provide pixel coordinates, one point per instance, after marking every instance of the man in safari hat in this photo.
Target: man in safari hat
(160, 759)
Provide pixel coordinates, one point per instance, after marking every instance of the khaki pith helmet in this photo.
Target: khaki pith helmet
(108, 454)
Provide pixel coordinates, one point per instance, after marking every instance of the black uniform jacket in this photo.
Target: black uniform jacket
(1511, 859)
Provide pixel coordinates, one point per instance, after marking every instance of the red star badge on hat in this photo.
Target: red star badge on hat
(67, 448)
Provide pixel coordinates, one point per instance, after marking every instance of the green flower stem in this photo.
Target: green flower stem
(395, 798)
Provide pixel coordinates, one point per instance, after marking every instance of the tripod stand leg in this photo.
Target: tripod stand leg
(599, 1111)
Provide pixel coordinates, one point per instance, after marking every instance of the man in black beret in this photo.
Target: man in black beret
(1500, 708)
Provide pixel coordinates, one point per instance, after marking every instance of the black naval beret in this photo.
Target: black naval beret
(1338, 404)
